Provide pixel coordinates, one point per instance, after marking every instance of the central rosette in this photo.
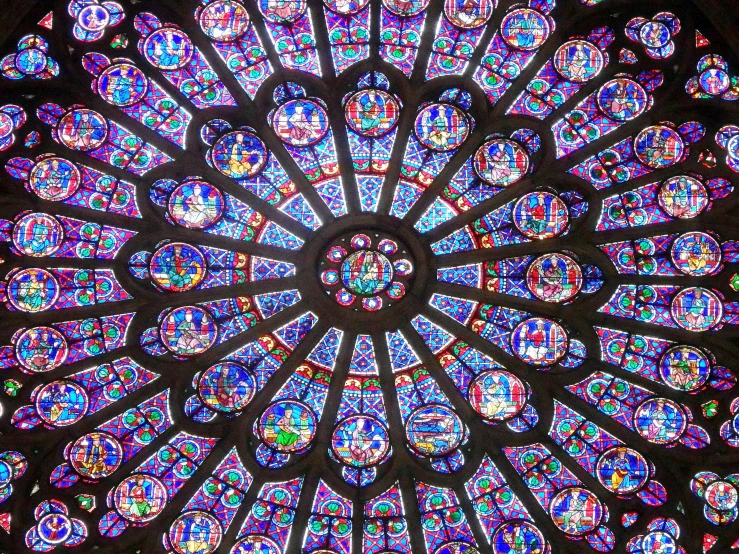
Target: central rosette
(366, 270)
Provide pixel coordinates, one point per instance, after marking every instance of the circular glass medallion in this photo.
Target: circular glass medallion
(93, 18)
(61, 403)
(177, 267)
(518, 537)
(226, 387)
(41, 349)
(697, 254)
(54, 528)
(654, 34)
(366, 272)
(82, 130)
(659, 146)
(497, 395)
(196, 205)
(525, 29)
(434, 430)
(287, 426)
(456, 547)
(300, 122)
(140, 498)
(224, 20)
(468, 14)
(371, 112)
(622, 470)
(32, 290)
(31, 61)
(554, 278)
(683, 197)
(122, 84)
(406, 8)
(188, 331)
(714, 81)
(660, 420)
(239, 155)
(6, 125)
(684, 368)
(256, 544)
(54, 179)
(721, 495)
(697, 309)
(195, 533)
(38, 235)
(282, 11)
(346, 7)
(576, 511)
(578, 61)
(540, 215)
(168, 49)
(622, 99)
(501, 162)
(96, 455)
(658, 542)
(360, 441)
(441, 127)
(538, 341)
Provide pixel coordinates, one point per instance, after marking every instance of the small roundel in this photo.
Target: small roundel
(61, 403)
(456, 547)
(226, 387)
(622, 470)
(93, 18)
(434, 430)
(122, 84)
(541, 215)
(468, 14)
(684, 368)
(714, 81)
(54, 179)
(346, 7)
(287, 426)
(140, 498)
(654, 34)
(360, 441)
(188, 331)
(539, 342)
(195, 530)
(82, 130)
(721, 495)
(406, 8)
(168, 49)
(54, 528)
(256, 544)
(41, 349)
(578, 60)
(525, 29)
(196, 205)
(38, 235)
(683, 197)
(501, 162)
(32, 290)
(554, 278)
(224, 20)
(658, 542)
(660, 420)
(282, 11)
(239, 155)
(497, 395)
(371, 112)
(6, 125)
(659, 146)
(301, 122)
(177, 267)
(697, 254)
(697, 309)
(441, 127)
(31, 61)
(366, 272)
(96, 455)
(576, 511)
(518, 537)
(622, 99)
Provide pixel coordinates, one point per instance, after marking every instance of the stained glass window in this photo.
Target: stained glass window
(369, 277)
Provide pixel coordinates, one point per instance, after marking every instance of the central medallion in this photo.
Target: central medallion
(366, 270)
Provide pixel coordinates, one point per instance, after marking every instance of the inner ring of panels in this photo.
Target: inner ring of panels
(368, 276)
